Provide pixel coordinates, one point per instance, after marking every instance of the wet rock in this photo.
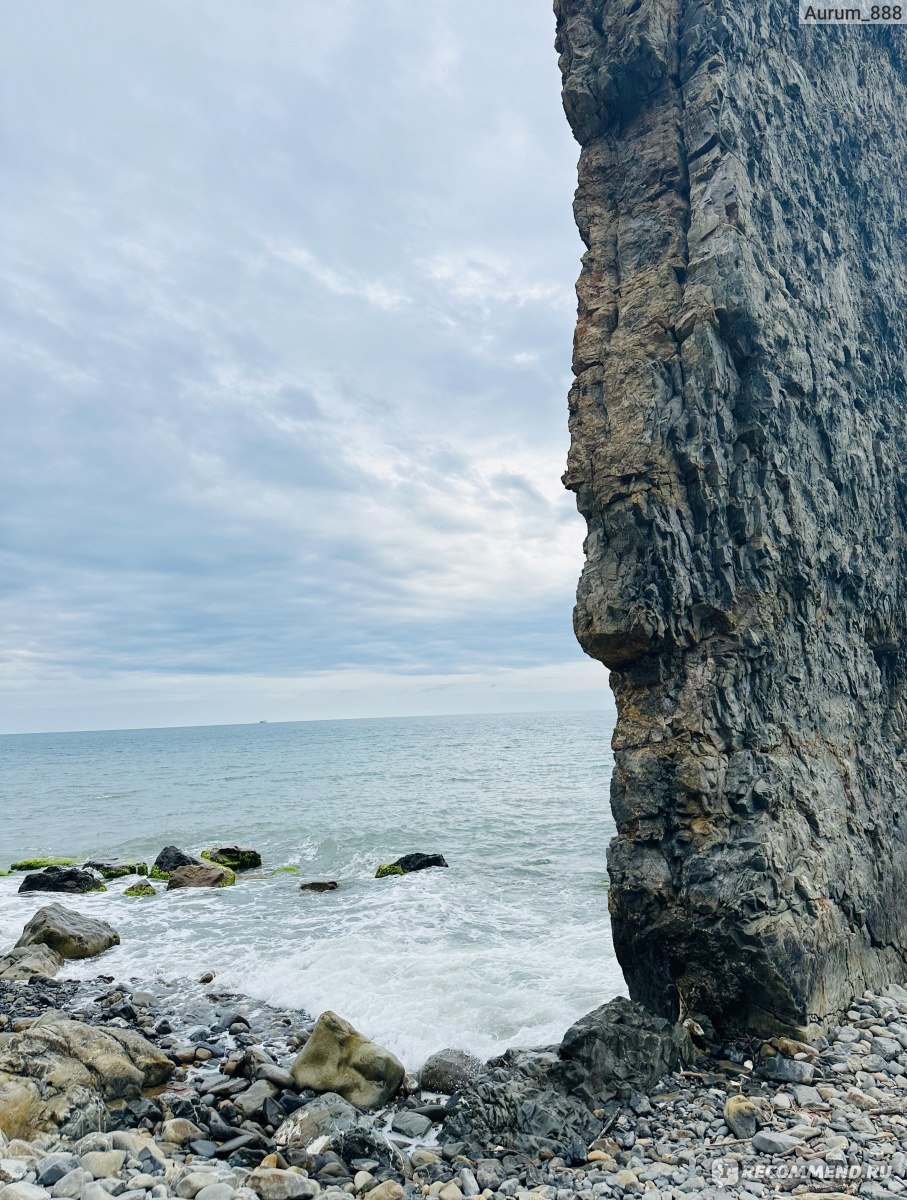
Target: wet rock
(328, 885)
(140, 889)
(448, 1071)
(62, 879)
(237, 858)
(69, 933)
(326, 1115)
(408, 863)
(200, 875)
(28, 961)
(337, 1058)
(117, 870)
(169, 859)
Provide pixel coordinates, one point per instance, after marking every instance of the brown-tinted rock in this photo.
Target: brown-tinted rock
(739, 452)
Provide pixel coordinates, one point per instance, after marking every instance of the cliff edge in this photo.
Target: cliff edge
(739, 452)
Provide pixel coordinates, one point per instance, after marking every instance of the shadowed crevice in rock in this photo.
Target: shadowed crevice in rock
(738, 451)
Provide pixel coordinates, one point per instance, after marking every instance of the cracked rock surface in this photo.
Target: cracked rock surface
(738, 452)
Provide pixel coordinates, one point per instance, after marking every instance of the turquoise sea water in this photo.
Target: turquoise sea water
(507, 947)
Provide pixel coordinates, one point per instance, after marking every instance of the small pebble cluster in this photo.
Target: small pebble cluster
(828, 1120)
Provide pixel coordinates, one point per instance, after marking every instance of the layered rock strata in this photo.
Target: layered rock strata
(738, 452)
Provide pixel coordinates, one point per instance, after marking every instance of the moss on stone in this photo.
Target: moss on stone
(157, 873)
(230, 877)
(388, 869)
(140, 889)
(38, 864)
(2, 872)
(288, 870)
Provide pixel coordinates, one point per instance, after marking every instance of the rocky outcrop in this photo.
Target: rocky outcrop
(65, 1075)
(546, 1099)
(739, 452)
(337, 1058)
(237, 858)
(71, 934)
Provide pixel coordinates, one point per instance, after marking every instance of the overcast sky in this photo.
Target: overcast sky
(287, 304)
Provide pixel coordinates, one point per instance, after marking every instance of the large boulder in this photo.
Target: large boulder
(521, 1102)
(407, 863)
(620, 1046)
(62, 1075)
(24, 962)
(200, 875)
(62, 879)
(237, 858)
(168, 860)
(69, 933)
(337, 1058)
(447, 1071)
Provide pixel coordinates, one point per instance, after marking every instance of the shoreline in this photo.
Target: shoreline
(833, 1121)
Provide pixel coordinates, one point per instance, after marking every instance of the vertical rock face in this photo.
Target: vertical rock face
(739, 452)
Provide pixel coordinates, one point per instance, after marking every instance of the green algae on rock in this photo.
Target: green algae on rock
(388, 869)
(38, 864)
(237, 858)
(140, 889)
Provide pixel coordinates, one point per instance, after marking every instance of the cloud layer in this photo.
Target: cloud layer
(285, 332)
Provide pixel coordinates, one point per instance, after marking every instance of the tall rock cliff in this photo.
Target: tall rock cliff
(739, 452)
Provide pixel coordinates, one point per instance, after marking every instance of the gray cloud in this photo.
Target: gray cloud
(286, 324)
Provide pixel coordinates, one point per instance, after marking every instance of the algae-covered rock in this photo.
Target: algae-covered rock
(168, 860)
(407, 863)
(62, 879)
(38, 864)
(237, 858)
(288, 870)
(69, 933)
(117, 870)
(140, 889)
(337, 1058)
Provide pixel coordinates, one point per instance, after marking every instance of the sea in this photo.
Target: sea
(507, 946)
